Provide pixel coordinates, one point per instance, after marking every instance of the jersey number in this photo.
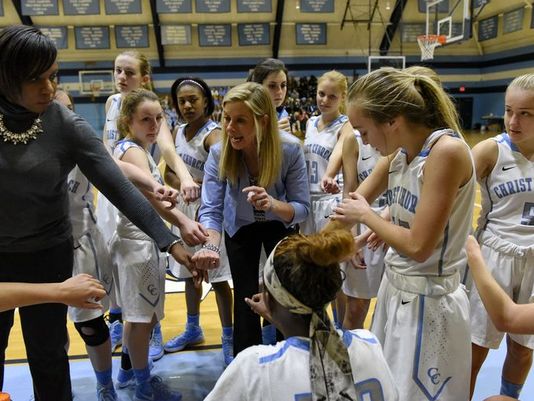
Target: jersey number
(367, 390)
(312, 172)
(527, 219)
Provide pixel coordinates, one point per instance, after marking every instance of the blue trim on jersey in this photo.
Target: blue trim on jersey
(296, 342)
(89, 207)
(466, 274)
(86, 190)
(443, 249)
(417, 356)
(341, 118)
(505, 138)
(153, 149)
(424, 153)
(349, 335)
(122, 144)
(486, 222)
(282, 114)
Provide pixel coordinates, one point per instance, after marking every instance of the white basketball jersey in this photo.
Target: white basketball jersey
(111, 133)
(367, 159)
(125, 227)
(508, 196)
(81, 210)
(193, 152)
(402, 195)
(281, 372)
(318, 146)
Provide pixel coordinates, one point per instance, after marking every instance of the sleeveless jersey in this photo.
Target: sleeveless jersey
(81, 210)
(402, 195)
(367, 159)
(193, 152)
(125, 228)
(111, 134)
(318, 146)
(281, 372)
(508, 196)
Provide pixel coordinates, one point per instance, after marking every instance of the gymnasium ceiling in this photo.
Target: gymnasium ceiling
(353, 28)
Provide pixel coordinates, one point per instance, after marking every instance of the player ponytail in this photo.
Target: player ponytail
(308, 265)
(387, 93)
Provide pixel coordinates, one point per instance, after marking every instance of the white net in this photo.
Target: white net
(427, 44)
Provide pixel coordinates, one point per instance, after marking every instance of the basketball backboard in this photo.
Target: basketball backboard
(449, 18)
(376, 62)
(96, 83)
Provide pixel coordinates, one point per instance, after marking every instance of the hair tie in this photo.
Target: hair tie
(191, 82)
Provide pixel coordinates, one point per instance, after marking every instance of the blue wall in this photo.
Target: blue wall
(488, 95)
(483, 104)
(94, 113)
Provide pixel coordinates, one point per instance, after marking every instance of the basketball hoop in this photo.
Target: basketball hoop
(95, 86)
(428, 43)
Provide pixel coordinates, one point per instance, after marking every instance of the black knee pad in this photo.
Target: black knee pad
(93, 332)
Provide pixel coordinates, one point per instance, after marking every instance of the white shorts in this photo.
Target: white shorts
(426, 340)
(91, 256)
(364, 283)
(322, 206)
(218, 275)
(513, 268)
(141, 271)
(106, 217)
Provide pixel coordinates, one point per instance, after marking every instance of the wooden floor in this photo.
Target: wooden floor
(175, 314)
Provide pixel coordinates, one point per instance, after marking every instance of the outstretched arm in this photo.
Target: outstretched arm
(82, 291)
(189, 189)
(505, 314)
(146, 182)
(328, 183)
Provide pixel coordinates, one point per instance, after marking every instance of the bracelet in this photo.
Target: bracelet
(211, 247)
(176, 241)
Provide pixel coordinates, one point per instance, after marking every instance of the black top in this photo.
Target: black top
(34, 212)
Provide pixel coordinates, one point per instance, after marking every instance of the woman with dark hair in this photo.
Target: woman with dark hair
(301, 277)
(41, 142)
(193, 102)
(272, 75)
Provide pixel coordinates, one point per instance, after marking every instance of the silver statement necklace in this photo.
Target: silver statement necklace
(22, 137)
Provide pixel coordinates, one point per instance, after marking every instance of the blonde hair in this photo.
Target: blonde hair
(308, 265)
(340, 81)
(144, 66)
(422, 70)
(525, 82)
(269, 146)
(128, 108)
(386, 93)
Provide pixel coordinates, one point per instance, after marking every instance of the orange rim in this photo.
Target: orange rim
(441, 39)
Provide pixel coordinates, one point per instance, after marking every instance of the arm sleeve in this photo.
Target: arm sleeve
(210, 214)
(98, 166)
(296, 183)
